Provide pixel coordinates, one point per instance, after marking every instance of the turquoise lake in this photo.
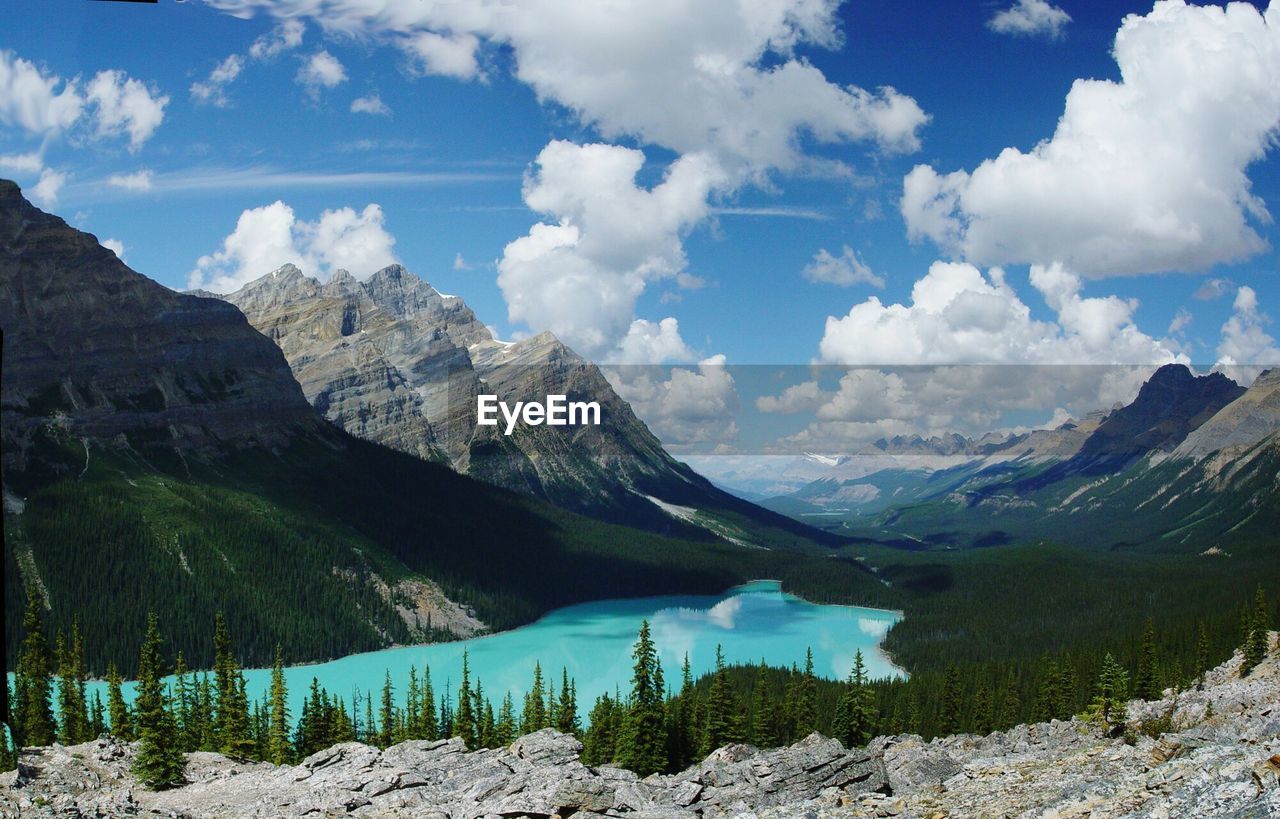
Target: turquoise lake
(594, 642)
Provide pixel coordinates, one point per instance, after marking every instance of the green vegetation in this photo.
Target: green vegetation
(304, 549)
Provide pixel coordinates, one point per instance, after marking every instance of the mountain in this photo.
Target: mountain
(393, 361)
(1241, 424)
(159, 455)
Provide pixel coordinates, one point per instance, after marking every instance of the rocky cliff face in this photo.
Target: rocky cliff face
(1240, 424)
(102, 352)
(1220, 757)
(392, 360)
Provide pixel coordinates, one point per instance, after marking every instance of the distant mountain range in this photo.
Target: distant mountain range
(158, 454)
(391, 360)
(1190, 463)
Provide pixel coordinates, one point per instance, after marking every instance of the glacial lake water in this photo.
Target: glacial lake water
(594, 642)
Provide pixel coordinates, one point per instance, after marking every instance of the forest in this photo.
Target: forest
(658, 724)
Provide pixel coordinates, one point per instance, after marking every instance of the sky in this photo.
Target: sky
(796, 183)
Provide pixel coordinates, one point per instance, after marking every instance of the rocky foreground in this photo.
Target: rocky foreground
(1220, 756)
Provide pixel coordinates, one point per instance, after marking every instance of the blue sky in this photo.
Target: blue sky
(485, 123)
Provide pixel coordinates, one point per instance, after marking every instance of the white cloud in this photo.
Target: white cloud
(1244, 339)
(686, 407)
(1214, 289)
(804, 397)
(28, 99)
(580, 274)
(959, 316)
(270, 236)
(371, 104)
(321, 70)
(844, 270)
(719, 85)
(115, 246)
(123, 105)
(460, 263)
(1146, 174)
(648, 342)
(22, 163)
(213, 89)
(284, 37)
(1030, 18)
(1181, 321)
(450, 56)
(136, 181)
(45, 192)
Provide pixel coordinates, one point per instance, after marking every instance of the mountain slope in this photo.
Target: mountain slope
(159, 455)
(392, 360)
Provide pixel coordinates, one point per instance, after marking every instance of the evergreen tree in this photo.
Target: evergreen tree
(1108, 707)
(231, 717)
(278, 750)
(723, 726)
(412, 707)
(1202, 653)
(1146, 682)
(599, 747)
(642, 747)
(182, 704)
(117, 709)
(806, 714)
(1256, 644)
(1066, 704)
(1049, 693)
(97, 717)
(464, 718)
(983, 718)
(33, 689)
(427, 712)
(73, 707)
(387, 712)
(567, 707)
(949, 715)
(764, 718)
(534, 716)
(202, 722)
(505, 728)
(855, 717)
(160, 761)
(682, 740)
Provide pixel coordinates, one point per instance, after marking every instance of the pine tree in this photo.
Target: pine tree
(599, 747)
(117, 709)
(182, 704)
(160, 762)
(723, 726)
(682, 737)
(1146, 682)
(1256, 644)
(1202, 653)
(278, 750)
(427, 712)
(950, 714)
(412, 707)
(982, 711)
(1109, 704)
(33, 688)
(73, 707)
(231, 717)
(567, 707)
(806, 715)
(856, 712)
(97, 717)
(387, 712)
(464, 718)
(642, 747)
(1049, 692)
(764, 718)
(505, 728)
(534, 716)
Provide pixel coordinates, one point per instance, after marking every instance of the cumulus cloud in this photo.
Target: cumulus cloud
(1214, 289)
(1141, 175)
(45, 192)
(321, 70)
(579, 275)
(213, 89)
(371, 104)
(650, 342)
(115, 246)
(270, 236)
(1181, 321)
(958, 315)
(136, 181)
(31, 162)
(683, 406)
(1245, 340)
(123, 105)
(719, 85)
(1030, 18)
(32, 100)
(804, 397)
(844, 270)
(460, 263)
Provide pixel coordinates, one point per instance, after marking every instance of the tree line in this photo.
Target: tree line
(652, 727)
